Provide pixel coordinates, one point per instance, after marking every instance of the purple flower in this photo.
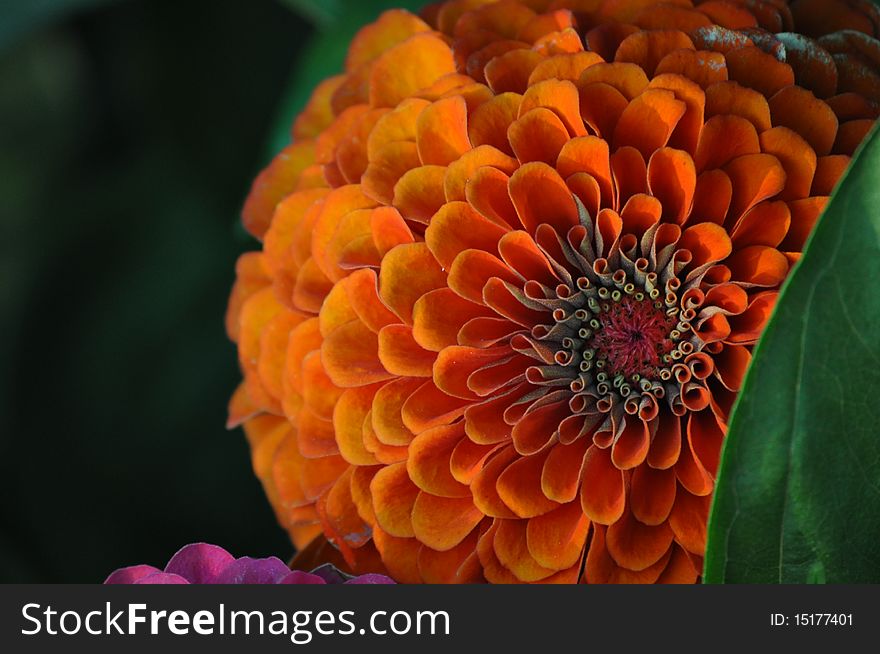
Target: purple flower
(201, 563)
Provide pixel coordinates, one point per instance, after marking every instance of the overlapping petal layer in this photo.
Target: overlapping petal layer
(513, 266)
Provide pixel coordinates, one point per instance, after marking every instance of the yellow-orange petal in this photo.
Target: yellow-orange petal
(350, 354)
(408, 272)
(428, 462)
(441, 523)
(409, 67)
(394, 495)
(513, 553)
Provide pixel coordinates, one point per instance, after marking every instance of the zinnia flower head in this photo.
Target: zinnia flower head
(513, 266)
(200, 563)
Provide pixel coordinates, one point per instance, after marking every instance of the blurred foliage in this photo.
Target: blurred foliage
(129, 134)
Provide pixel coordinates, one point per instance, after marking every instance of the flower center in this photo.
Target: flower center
(632, 337)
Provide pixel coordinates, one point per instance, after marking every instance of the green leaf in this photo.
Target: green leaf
(798, 491)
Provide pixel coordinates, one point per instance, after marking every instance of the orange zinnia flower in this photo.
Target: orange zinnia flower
(514, 264)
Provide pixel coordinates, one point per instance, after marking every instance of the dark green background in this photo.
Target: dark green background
(129, 133)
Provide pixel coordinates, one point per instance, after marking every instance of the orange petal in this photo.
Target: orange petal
(556, 539)
(652, 494)
(439, 315)
(561, 97)
(428, 407)
(679, 570)
(385, 170)
(755, 69)
(672, 178)
(538, 135)
(484, 485)
(419, 193)
(541, 196)
(637, 546)
(602, 492)
(587, 154)
(468, 459)
(394, 495)
(687, 132)
(511, 70)
(314, 436)
(600, 568)
(564, 67)
(398, 125)
(408, 67)
(629, 79)
(804, 214)
(400, 556)
(561, 476)
(389, 229)
(723, 139)
(401, 355)
(441, 523)
(601, 106)
(472, 269)
(759, 265)
(829, 170)
(319, 392)
(648, 121)
(457, 227)
(522, 254)
(317, 114)
(460, 172)
(442, 135)
(441, 567)
(712, 197)
(666, 446)
(755, 177)
(489, 122)
(851, 134)
(363, 296)
(408, 272)
(455, 364)
(630, 174)
(486, 191)
(797, 158)
(688, 521)
(429, 458)
(702, 67)
(800, 110)
(275, 182)
(707, 242)
(386, 411)
(513, 553)
(519, 487)
(765, 224)
(536, 428)
(727, 14)
(647, 48)
(350, 354)
(731, 365)
(730, 98)
(631, 447)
